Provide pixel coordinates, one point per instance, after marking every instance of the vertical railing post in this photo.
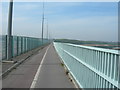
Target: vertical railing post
(9, 38)
(119, 71)
(30, 43)
(12, 46)
(17, 46)
(21, 45)
(25, 44)
(6, 47)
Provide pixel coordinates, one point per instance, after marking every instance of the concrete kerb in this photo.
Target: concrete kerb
(68, 72)
(16, 64)
(11, 68)
(70, 75)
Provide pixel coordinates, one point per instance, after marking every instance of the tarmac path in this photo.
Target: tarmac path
(42, 70)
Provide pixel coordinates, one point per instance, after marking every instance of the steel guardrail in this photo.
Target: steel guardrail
(91, 67)
(21, 44)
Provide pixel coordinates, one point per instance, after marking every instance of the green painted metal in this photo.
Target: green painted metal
(4, 47)
(21, 45)
(90, 66)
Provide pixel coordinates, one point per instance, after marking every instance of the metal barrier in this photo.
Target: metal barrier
(91, 67)
(21, 45)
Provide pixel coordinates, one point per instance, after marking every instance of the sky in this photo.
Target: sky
(96, 21)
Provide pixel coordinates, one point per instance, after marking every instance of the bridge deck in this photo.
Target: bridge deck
(49, 73)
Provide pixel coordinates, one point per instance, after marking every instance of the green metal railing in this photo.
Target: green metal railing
(21, 45)
(91, 67)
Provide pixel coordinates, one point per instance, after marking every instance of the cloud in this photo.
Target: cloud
(0, 21)
(63, 0)
(87, 28)
(20, 19)
(62, 4)
(26, 26)
(27, 21)
(90, 28)
(26, 6)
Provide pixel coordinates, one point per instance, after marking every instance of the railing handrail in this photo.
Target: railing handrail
(102, 65)
(95, 48)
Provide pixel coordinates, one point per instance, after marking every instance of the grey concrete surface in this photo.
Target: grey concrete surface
(52, 73)
(23, 75)
(7, 65)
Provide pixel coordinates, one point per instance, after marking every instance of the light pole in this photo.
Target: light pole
(47, 29)
(43, 23)
(9, 37)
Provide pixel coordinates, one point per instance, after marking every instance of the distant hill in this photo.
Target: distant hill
(84, 42)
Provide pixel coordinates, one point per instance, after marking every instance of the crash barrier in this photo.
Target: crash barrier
(91, 67)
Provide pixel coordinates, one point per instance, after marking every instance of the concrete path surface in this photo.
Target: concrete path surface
(23, 75)
(52, 74)
(43, 70)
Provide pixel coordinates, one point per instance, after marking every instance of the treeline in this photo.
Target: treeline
(80, 42)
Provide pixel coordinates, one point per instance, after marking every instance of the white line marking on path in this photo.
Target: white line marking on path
(38, 71)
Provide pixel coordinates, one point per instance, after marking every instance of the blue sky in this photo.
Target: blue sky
(72, 20)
